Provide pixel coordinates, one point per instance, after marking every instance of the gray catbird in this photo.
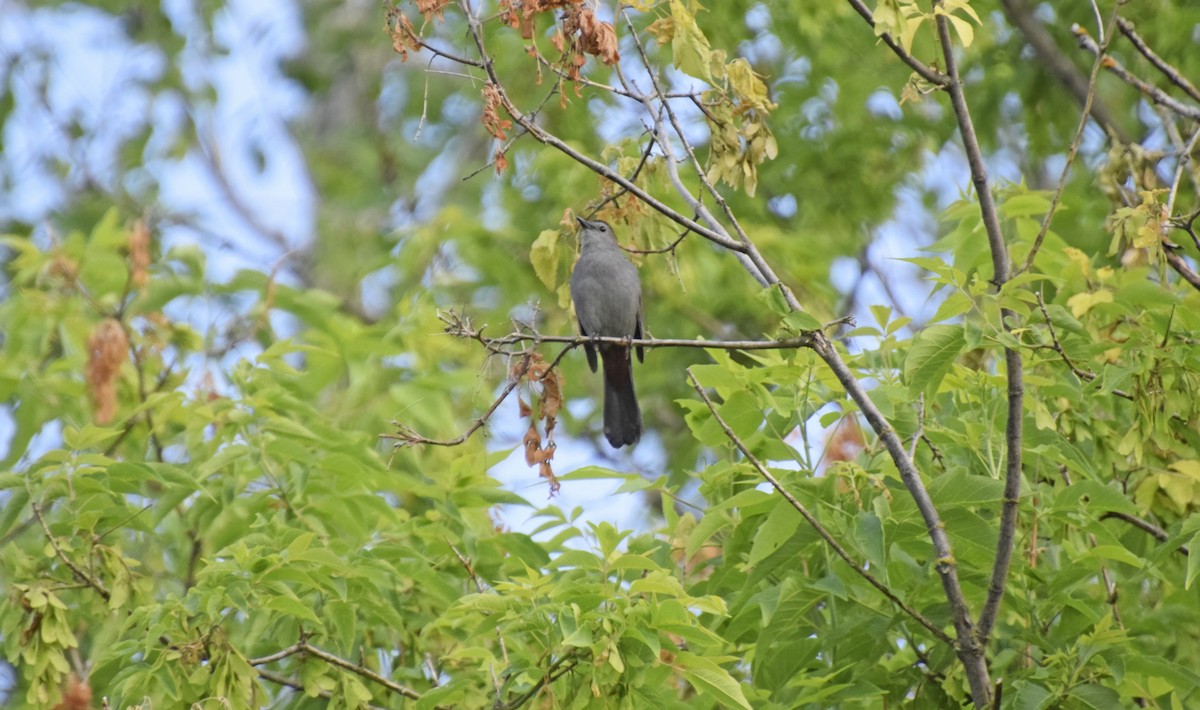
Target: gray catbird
(608, 302)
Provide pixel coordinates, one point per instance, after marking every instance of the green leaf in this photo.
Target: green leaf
(712, 680)
(689, 47)
(544, 257)
(779, 527)
(931, 357)
(1193, 563)
(799, 322)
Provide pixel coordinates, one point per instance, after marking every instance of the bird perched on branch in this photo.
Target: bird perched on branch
(608, 303)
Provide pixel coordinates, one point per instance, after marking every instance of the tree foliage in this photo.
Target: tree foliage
(938, 441)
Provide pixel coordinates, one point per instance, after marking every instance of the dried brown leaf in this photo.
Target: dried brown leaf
(532, 443)
(492, 122)
(546, 472)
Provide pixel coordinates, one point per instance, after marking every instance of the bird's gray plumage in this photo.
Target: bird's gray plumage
(608, 302)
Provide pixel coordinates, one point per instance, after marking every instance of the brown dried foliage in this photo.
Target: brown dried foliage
(139, 254)
(845, 442)
(431, 8)
(539, 452)
(404, 36)
(77, 695)
(495, 125)
(107, 349)
(583, 33)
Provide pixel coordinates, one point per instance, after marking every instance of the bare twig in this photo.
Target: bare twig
(1182, 161)
(1056, 345)
(304, 647)
(1110, 587)
(1151, 91)
(405, 436)
(632, 177)
(466, 563)
(1071, 152)
(816, 525)
(1188, 225)
(557, 669)
(1059, 66)
(920, 433)
(1127, 28)
(80, 573)
(1145, 526)
(800, 341)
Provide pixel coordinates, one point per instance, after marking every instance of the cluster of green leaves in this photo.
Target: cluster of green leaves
(241, 504)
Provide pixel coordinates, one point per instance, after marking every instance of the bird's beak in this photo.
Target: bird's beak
(583, 223)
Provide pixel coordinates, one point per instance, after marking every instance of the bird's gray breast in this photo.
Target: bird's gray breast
(607, 294)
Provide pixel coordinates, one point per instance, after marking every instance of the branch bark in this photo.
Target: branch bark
(816, 525)
(1059, 66)
(973, 646)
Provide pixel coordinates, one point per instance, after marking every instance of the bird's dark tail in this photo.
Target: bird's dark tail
(622, 416)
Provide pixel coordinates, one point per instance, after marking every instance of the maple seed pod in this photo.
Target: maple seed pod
(107, 349)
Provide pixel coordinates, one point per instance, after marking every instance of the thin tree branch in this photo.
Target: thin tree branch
(306, 648)
(1181, 267)
(557, 670)
(1128, 29)
(697, 169)
(542, 136)
(927, 73)
(1056, 345)
(815, 524)
(1110, 587)
(460, 327)
(1145, 526)
(295, 684)
(1184, 158)
(1071, 152)
(1151, 91)
(80, 573)
(405, 436)
(466, 563)
(1059, 66)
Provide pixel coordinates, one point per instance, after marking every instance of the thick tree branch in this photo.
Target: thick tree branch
(1182, 267)
(815, 524)
(972, 650)
(947, 565)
